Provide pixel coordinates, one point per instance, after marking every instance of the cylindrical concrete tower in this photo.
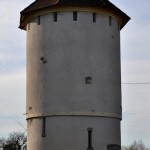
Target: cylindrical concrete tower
(73, 74)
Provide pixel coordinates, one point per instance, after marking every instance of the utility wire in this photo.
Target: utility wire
(140, 83)
(136, 113)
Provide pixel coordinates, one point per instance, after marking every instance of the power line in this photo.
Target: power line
(140, 83)
(134, 113)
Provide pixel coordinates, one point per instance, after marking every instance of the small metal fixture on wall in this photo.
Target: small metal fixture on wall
(88, 80)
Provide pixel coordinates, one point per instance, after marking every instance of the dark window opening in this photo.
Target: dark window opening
(28, 25)
(55, 17)
(90, 139)
(113, 147)
(30, 108)
(88, 80)
(110, 20)
(43, 127)
(39, 20)
(94, 17)
(75, 15)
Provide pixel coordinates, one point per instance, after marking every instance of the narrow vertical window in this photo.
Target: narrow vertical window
(110, 20)
(55, 17)
(28, 25)
(43, 127)
(75, 16)
(90, 139)
(94, 17)
(39, 20)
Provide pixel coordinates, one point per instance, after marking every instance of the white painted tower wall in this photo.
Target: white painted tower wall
(61, 106)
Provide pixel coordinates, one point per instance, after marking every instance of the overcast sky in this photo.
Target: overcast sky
(135, 61)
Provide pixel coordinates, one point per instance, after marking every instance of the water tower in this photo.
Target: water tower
(73, 74)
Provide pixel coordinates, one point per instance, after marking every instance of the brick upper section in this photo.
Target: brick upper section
(40, 5)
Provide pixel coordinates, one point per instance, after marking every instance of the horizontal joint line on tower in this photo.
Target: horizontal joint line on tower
(80, 114)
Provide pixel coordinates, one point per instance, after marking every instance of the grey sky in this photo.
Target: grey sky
(135, 56)
(135, 61)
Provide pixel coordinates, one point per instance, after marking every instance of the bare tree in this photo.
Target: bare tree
(2, 143)
(15, 141)
(125, 148)
(136, 145)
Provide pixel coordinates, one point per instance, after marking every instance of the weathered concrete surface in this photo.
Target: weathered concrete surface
(73, 50)
(70, 133)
